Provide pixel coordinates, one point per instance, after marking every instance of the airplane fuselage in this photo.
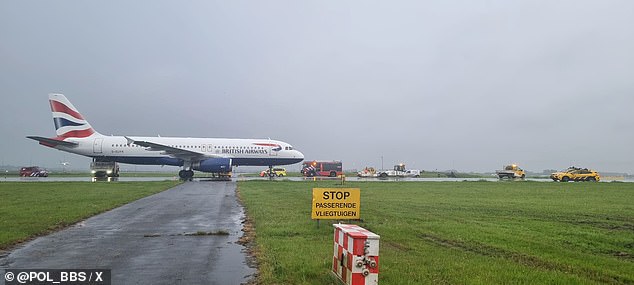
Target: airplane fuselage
(252, 152)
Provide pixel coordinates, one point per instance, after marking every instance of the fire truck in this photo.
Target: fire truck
(33, 171)
(322, 168)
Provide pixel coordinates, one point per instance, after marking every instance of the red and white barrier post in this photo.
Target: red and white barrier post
(355, 255)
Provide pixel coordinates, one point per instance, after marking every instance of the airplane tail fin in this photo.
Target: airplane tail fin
(69, 123)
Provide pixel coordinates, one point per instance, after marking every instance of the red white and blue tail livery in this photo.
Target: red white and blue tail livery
(69, 123)
(215, 155)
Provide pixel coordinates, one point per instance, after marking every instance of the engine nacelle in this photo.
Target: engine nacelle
(213, 165)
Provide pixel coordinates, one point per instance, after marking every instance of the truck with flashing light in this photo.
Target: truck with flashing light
(322, 168)
(399, 171)
(101, 169)
(511, 171)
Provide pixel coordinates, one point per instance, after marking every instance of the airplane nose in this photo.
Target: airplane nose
(298, 154)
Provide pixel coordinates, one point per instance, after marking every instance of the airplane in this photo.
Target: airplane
(214, 155)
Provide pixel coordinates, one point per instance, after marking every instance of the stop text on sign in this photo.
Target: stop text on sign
(336, 203)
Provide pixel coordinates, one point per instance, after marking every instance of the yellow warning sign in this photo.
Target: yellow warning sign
(336, 203)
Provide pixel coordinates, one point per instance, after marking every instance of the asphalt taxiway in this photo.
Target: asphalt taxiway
(185, 235)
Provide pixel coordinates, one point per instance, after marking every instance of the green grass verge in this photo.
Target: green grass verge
(454, 232)
(31, 209)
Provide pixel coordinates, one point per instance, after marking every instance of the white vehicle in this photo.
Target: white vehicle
(412, 173)
(399, 171)
(215, 155)
(367, 172)
(104, 169)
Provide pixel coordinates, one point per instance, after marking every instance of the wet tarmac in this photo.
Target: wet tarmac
(83, 179)
(185, 235)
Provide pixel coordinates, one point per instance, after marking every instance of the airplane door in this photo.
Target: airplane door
(273, 151)
(97, 146)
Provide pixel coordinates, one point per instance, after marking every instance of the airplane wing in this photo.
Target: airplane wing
(172, 151)
(53, 142)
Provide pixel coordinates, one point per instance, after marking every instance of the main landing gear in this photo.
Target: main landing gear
(271, 174)
(186, 175)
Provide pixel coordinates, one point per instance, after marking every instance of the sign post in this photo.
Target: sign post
(336, 204)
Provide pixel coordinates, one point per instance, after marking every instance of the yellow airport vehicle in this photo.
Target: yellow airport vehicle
(576, 174)
(511, 172)
(277, 171)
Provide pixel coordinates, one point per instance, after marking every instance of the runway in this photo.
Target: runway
(185, 235)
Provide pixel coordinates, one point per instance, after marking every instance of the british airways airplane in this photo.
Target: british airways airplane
(215, 155)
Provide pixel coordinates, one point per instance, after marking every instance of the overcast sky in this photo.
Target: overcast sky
(466, 85)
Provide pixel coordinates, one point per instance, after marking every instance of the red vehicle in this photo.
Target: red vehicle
(322, 168)
(33, 171)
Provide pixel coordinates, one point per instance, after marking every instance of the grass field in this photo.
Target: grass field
(31, 209)
(454, 232)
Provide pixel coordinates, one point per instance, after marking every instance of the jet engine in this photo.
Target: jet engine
(213, 165)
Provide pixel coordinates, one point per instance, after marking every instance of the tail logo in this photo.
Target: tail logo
(69, 123)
